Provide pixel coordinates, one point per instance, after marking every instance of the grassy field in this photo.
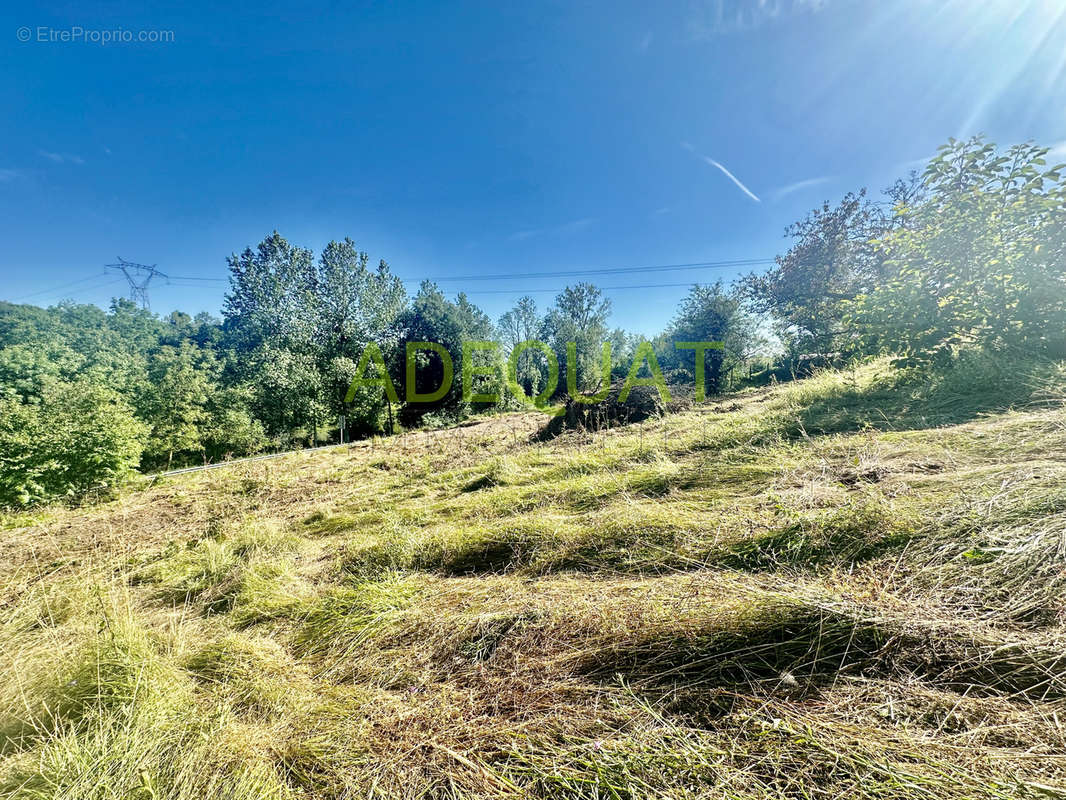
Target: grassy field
(849, 586)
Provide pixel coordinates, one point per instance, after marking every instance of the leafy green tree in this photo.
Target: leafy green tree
(523, 324)
(710, 313)
(91, 439)
(28, 370)
(231, 429)
(432, 318)
(297, 328)
(623, 348)
(269, 316)
(354, 305)
(834, 257)
(182, 381)
(979, 261)
(20, 428)
(80, 437)
(579, 316)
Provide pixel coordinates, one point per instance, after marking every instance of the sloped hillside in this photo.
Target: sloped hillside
(849, 586)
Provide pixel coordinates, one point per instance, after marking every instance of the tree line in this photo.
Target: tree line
(970, 253)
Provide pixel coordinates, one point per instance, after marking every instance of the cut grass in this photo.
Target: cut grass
(850, 586)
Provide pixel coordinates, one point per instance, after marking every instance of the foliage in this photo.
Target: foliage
(432, 318)
(518, 325)
(300, 326)
(845, 586)
(80, 437)
(710, 314)
(354, 305)
(967, 256)
(181, 381)
(832, 259)
(579, 316)
(979, 261)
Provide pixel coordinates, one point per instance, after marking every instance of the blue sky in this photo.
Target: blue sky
(497, 138)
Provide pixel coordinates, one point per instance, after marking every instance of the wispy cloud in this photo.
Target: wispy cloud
(798, 186)
(720, 166)
(1058, 150)
(574, 226)
(9, 175)
(645, 42)
(732, 177)
(660, 211)
(710, 18)
(915, 163)
(62, 158)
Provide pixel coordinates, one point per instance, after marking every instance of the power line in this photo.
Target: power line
(747, 262)
(60, 287)
(601, 288)
(696, 265)
(190, 280)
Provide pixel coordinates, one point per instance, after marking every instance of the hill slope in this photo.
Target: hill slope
(849, 586)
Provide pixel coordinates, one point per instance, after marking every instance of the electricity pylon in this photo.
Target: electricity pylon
(139, 276)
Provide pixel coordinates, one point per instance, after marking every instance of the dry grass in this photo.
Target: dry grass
(851, 586)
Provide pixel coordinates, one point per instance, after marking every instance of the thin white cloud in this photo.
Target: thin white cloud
(660, 211)
(732, 177)
(576, 225)
(915, 163)
(62, 158)
(1058, 150)
(710, 18)
(9, 175)
(798, 186)
(726, 172)
(645, 42)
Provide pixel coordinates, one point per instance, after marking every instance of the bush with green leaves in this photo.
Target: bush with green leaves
(81, 437)
(978, 261)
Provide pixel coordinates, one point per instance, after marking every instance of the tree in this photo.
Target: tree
(432, 318)
(355, 305)
(523, 324)
(269, 315)
(231, 429)
(977, 261)
(711, 314)
(81, 437)
(20, 428)
(28, 370)
(300, 325)
(182, 381)
(579, 316)
(833, 259)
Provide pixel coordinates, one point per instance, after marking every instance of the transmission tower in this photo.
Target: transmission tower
(139, 276)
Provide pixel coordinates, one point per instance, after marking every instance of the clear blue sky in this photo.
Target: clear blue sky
(458, 138)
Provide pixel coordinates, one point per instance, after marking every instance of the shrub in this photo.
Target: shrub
(81, 437)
